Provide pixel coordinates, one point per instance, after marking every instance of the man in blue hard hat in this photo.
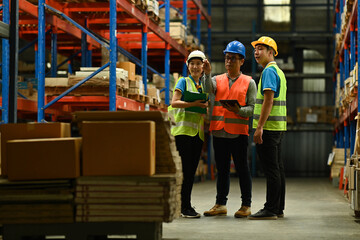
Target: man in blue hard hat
(230, 127)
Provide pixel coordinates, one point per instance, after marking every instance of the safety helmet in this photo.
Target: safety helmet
(268, 41)
(195, 54)
(235, 47)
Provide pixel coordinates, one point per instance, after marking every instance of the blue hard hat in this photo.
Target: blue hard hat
(235, 47)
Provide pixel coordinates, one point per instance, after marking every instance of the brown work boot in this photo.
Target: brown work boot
(244, 211)
(217, 210)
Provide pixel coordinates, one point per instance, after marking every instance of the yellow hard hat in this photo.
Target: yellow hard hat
(266, 41)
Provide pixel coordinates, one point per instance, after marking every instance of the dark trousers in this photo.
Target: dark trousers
(224, 148)
(270, 157)
(190, 150)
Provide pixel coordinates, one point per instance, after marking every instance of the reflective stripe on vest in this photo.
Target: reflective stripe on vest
(277, 118)
(186, 123)
(224, 119)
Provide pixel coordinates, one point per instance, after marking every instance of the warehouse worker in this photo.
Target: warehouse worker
(230, 128)
(270, 124)
(189, 127)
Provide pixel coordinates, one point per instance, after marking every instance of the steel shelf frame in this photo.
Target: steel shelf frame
(344, 61)
(148, 29)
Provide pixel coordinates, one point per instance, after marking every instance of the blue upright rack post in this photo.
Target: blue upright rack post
(167, 53)
(347, 138)
(36, 49)
(209, 32)
(84, 47)
(144, 56)
(346, 62)
(5, 67)
(341, 63)
(113, 54)
(184, 22)
(53, 54)
(41, 60)
(352, 47)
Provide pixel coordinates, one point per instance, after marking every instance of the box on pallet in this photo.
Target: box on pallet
(153, 6)
(153, 92)
(47, 158)
(128, 66)
(14, 131)
(118, 148)
(177, 30)
(159, 81)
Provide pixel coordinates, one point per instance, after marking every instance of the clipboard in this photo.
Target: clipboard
(191, 97)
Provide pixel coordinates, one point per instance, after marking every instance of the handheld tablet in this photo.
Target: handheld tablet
(230, 102)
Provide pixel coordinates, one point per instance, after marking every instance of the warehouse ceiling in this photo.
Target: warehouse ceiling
(294, 24)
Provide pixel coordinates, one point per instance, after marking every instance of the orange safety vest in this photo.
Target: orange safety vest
(224, 119)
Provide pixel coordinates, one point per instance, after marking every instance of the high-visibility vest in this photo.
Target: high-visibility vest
(186, 122)
(277, 118)
(221, 117)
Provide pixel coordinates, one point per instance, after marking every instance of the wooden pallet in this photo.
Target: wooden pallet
(140, 4)
(155, 18)
(137, 97)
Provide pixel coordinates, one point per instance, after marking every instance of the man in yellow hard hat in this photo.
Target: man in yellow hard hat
(269, 122)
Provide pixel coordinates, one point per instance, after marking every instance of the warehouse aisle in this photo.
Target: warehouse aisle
(314, 210)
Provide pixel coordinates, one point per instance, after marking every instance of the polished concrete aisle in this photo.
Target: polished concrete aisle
(314, 210)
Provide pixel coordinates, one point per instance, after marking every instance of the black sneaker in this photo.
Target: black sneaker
(189, 213)
(263, 214)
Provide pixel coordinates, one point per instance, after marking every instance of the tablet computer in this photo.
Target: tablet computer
(231, 102)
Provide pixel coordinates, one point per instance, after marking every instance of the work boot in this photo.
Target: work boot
(189, 213)
(263, 214)
(217, 210)
(244, 211)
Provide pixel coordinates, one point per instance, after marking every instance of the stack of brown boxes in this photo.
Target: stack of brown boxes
(44, 152)
(130, 170)
(118, 183)
(338, 162)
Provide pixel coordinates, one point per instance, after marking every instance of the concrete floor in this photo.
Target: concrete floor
(314, 210)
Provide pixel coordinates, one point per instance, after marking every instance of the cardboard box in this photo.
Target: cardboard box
(13, 131)
(128, 66)
(112, 148)
(46, 158)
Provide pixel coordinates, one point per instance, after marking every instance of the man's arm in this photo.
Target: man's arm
(248, 110)
(265, 112)
(209, 84)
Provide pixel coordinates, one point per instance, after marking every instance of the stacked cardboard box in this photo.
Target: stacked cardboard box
(36, 201)
(139, 199)
(323, 114)
(167, 163)
(29, 131)
(136, 86)
(118, 145)
(97, 85)
(338, 162)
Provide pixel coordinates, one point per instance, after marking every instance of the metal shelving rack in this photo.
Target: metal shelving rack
(344, 61)
(83, 27)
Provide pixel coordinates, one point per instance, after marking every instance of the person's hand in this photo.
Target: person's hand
(258, 136)
(232, 108)
(200, 103)
(207, 67)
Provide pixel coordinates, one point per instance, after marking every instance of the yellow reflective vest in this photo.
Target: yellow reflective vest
(277, 118)
(186, 122)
